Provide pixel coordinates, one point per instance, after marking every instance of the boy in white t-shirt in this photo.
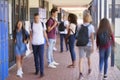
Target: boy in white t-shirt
(37, 37)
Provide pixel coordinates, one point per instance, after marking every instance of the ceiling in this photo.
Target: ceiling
(71, 5)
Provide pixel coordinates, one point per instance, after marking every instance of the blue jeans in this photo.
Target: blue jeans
(38, 51)
(62, 38)
(103, 59)
(71, 47)
(50, 50)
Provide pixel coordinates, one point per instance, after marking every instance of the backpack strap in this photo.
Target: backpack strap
(32, 25)
(42, 25)
(75, 30)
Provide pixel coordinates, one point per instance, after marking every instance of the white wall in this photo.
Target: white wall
(117, 20)
(102, 7)
(33, 3)
(10, 17)
(117, 27)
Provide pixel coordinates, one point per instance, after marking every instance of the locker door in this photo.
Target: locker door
(0, 45)
(6, 39)
(3, 40)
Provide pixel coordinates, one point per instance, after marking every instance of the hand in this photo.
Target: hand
(66, 40)
(25, 41)
(30, 39)
(47, 43)
(56, 23)
(15, 41)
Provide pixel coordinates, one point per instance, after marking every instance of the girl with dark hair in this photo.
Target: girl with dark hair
(72, 18)
(21, 37)
(104, 49)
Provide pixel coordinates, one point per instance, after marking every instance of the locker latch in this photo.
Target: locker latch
(0, 62)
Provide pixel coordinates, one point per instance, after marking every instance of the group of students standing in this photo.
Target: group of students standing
(41, 33)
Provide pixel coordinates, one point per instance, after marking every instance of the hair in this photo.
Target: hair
(86, 11)
(36, 14)
(53, 10)
(87, 18)
(104, 26)
(72, 18)
(15, 31)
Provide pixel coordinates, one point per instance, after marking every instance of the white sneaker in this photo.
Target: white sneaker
(105, 77)
(55, 63)
(19, 74)
(51, 66)
(55, 49)
(21, 71)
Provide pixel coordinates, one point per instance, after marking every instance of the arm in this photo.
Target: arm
(92, 38)
(45, 35)
(31, 35)
(113, 40)
(52, 27)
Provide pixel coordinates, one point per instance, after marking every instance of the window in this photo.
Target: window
(117, 11)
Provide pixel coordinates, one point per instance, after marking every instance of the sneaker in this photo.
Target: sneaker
(55, 63)
(41, 75)
(81, 76)
(21, 71)
(105, 77)
(51, 66)
(55, 49)
(19, 74)
(89, 71)
(36, 73)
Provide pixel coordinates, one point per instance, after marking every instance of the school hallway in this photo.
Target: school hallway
(62, 72)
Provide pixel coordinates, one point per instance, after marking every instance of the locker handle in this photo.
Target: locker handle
(0, 62)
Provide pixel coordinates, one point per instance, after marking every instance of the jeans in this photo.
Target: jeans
(38, 51)
(50, 51)
(62, 38)
(103, 59)
(71, 47)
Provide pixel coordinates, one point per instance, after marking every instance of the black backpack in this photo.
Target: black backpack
(61, 27)
(103, 38)
(82, 36)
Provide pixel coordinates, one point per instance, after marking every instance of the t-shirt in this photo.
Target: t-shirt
(73, 28)
(90, 31)
(52, 33)
(38, 33)
(66, 23)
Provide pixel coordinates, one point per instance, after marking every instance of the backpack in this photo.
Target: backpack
(103, 38)
(47, 23)
(61, 27)
(82, 36)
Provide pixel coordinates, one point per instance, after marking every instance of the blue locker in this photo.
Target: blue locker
(3, 39)
(6, 39)
(0, 46)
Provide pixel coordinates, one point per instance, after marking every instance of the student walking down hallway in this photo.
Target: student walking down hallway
(21, 37)
(38, 36)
